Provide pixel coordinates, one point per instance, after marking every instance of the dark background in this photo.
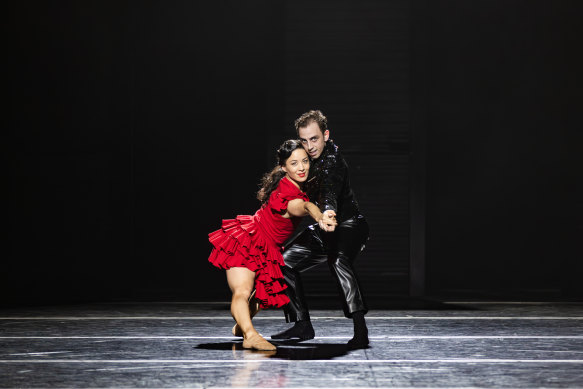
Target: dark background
(134, 127)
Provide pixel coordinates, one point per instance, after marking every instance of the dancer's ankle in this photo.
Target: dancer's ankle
(358, 317)
(360, 338)
(250, 333)
(303, 323)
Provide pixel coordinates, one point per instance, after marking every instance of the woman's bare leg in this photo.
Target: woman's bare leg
(254, 308)
(241, 282)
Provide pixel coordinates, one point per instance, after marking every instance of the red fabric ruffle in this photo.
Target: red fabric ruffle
(279, 199)
(240, 243)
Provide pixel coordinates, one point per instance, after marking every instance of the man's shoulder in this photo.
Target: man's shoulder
(333, 158)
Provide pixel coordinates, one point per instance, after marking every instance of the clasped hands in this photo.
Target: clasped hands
(328, 221)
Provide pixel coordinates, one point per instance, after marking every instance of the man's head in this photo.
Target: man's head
(312, 129)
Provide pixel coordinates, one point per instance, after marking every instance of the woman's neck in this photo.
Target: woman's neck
(293, 182)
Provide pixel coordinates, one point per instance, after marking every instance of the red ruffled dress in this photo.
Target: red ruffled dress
(255, 242)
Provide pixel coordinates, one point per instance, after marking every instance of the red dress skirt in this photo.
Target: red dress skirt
(255, 242)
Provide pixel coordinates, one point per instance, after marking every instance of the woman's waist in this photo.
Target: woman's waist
(274, 231)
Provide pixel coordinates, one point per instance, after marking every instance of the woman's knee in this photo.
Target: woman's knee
(242, 292)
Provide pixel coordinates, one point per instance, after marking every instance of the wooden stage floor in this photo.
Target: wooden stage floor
(176, 345)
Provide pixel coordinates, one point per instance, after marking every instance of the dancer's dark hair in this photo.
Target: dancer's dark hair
(311, 116)
(270, 180)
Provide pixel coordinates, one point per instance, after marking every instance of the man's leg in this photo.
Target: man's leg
(348, 243)
(297, 309)
(305, 252)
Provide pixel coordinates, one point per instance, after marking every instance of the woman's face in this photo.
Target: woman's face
(297, 166)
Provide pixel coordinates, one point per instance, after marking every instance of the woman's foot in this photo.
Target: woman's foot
(257, 342)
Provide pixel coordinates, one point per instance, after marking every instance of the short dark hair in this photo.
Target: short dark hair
(311, 116)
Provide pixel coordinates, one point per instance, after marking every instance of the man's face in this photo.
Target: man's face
(313, 140)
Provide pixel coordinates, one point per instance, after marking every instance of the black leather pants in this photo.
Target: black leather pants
(339, 248)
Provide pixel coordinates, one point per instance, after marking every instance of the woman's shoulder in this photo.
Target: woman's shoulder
(286, 187)
(285, 192)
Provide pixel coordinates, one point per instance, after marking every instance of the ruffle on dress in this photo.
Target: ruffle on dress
(239, 243)
(278, 201)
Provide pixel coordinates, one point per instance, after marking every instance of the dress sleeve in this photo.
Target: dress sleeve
(283, 195)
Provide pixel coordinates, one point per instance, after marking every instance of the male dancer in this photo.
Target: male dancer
(329, 187)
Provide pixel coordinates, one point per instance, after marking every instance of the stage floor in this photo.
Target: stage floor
(131, 345)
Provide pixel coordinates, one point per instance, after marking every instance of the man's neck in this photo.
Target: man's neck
(325, 150)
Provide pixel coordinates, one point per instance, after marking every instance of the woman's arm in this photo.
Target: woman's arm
(299, 208)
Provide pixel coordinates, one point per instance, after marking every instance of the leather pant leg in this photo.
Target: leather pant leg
(348, 241)
(305, 252)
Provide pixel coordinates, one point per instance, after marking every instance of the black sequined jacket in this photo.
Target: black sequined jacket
(329, 185)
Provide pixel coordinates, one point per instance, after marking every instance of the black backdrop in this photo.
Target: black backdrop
(504, 183)
(133, 127)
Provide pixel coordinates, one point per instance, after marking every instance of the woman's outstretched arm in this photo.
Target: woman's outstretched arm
(299, 208)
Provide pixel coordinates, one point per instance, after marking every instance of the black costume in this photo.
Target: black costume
(329, 187)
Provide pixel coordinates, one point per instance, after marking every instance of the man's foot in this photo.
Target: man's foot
(302, 329)
(360, 338)
(359, 341)
(257, 342)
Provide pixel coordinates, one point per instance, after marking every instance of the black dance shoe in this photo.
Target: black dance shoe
(359, 341)
(302, 330)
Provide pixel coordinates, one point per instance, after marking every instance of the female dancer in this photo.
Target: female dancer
(249, 247)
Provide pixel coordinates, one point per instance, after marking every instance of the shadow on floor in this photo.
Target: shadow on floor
(290, 349)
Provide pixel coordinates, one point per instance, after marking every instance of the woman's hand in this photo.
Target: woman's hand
(328, 221)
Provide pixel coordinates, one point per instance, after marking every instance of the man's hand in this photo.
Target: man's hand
(328, 221)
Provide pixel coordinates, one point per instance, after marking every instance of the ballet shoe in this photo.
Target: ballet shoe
(257, 342)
